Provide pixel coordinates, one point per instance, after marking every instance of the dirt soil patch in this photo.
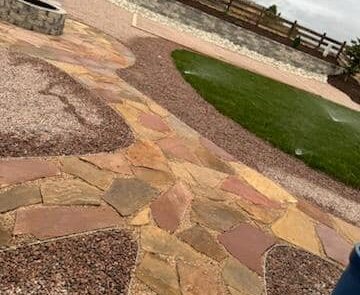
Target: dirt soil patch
(44, 112)
(351, 87)
(155, 74)
(99, 263)
(296, 272)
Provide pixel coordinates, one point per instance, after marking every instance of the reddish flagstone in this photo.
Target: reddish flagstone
(153, 122)
(247, 244)
(114, 162)
(50, 222)
(218, 151)
(335, 246)
(314, 212)
(169, 209)
(18, 171)
(175, 148)
(245, 191)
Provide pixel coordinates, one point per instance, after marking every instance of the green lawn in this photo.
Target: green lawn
(325, 135)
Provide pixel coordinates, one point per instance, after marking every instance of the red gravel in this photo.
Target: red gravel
(155, 74)
(44, 112)
(99, 263)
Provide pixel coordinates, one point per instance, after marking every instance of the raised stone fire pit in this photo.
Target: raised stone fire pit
(38, 15)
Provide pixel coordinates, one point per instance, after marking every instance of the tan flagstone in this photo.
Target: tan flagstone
(262, 184)
(205, 176)
(297, 228)
(260, 213)
(211, 161)
(347, 230)
(157, 109)
(142, 218)
(156, 178)
(181, 172)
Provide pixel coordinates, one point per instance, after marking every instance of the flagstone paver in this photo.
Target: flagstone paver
(169, 209)
(297, 228)
(159, 275)
(70, 192)
(5, 234)
(154, 158)
(247, 244)
(50, 222)
(241, 279)
(334, 246)
(205, 176)
(246, 192)
(315, 213)
(114, 162)
(154, 122)
(195, 280)
(181, 173)
(176, 148)
(215, 215)
(213, 194)
(263, 184)
(18, 171)
(156, 178)
(216, 149)
(19, 196)
(142, 218)
(155, 240)
(211, 161)
(349, 231)
(88, 172)
(128, 195)
(201, 240)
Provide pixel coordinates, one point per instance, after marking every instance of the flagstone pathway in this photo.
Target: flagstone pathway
(204, 224)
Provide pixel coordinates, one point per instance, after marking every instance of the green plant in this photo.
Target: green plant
(297, 42)
(353, 53)
(272, 10)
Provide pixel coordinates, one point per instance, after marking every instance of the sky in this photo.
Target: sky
(340, 19)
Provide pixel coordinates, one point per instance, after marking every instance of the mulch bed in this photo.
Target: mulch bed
(296, 272)
(45, 112)
(155, 75)
(351, 87)
(99, 263)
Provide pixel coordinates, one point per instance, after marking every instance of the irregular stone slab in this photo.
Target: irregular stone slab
(19, 196)
(175, 148)
(159, 275)
(146, 154)
(156, 178)
(247, 244)
(215, 215)
(70, 192)
(101, 262)
(157, 109)
(263, 184)
(205, 176)
(236, 186)
(153, 122)
(349, 231)
(51, 222)
(334, 246)
(314, 212)
(169, 209)
(181, 173)
(5, 235)
(181, 128)
(211, 161)
(99, 178)
(202, 241)
(159, 241)
(128, 195)
(114, 162)
(142, 218)
(18, 171)
(260, 213)
(293, 271)
(240, 278)
(195, 280)
(208, 192)
(218, 151)
(297, 228)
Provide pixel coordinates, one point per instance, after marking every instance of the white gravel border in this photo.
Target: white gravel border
(218, 40)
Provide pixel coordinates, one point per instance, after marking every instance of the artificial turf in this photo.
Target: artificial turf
(323, 134)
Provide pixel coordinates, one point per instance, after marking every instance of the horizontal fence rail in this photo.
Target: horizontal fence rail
(257, 18)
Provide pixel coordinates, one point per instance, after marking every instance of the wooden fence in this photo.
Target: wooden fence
(258, 19)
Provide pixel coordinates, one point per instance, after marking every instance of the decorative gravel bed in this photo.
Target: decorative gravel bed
(296, 272)
(155, 74)
(99, 263)
(44, 112)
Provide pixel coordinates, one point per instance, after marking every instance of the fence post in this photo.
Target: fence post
(228, 6)
(260, 16)
(341, 50)
(321, 40)
(292, 29)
